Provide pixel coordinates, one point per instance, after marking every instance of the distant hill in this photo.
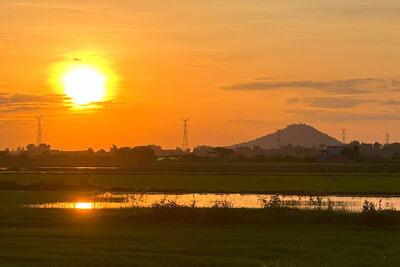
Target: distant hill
(295, 134)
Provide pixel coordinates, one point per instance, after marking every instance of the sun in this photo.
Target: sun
(84, 85)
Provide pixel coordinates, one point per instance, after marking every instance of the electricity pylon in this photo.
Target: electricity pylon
(39, 132)
(185, 141)
(344, 136)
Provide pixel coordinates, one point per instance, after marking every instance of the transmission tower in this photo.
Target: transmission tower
(278, 138)
(387, 138)
(185, 141)
(344, 136)
(39, 132)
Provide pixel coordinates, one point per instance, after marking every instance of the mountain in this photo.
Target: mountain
(295, 134)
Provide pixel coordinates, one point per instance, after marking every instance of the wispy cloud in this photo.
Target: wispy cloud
(293, 100)
(31, 98)
(391, 103)
(395, 82)
(19, 102)
(334, 116)
(15, 102)
(332, 102)
(350, 86)
(109, 104)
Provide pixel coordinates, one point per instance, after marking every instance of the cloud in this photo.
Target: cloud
(350, 86)
(391, 102)
(332, 102)
(29, 98)
(271, 86)
(338, 117)
(329, 116)
(346, 90)
(109, 104)
(14, 102)
(293, 100)
(395, 83)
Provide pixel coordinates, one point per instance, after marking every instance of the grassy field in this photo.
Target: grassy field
(201, 237)
(246, 183)
(108, 238)
(191, 237)
(392, 167)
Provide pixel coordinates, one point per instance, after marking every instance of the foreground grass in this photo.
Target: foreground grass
(119, 237)
(198, 237)
(189, 245)
(233, 183)
(193, 245)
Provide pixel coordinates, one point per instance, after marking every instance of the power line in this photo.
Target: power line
(39, 132)
(344, 136)
(185, 141)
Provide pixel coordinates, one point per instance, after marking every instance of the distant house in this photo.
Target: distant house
(338, 153)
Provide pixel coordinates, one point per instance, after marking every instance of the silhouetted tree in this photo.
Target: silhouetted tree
(101, 153)
(44, 148)
(139, 153)
(113, 148)
(142, 153)
(377, 146)
(223, 153)
(122, 152)
(90, 152)
(204, 151)
(395, 156)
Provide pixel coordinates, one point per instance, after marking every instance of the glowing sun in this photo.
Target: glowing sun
(84, 85)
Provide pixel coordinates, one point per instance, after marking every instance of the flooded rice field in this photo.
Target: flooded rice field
(251, 201)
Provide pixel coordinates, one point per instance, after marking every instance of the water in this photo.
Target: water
(54, 170)
(253, 201)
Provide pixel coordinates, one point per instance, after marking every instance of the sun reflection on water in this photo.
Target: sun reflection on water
(84, 205)
(252, 201)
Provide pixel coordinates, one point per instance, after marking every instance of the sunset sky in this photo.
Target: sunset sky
(238, 69)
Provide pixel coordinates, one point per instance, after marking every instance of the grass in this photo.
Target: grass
(218, 166)
(233, 183)
(84, 238)
(201, 237)
(190, 237)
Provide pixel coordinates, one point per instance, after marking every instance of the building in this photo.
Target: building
(339, 153)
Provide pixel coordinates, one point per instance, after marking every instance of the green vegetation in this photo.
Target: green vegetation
(201, 182)
(157, 237)
(170, 235)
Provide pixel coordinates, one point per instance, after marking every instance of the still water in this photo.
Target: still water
(254, 201)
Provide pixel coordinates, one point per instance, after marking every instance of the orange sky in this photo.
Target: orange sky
(238, 69)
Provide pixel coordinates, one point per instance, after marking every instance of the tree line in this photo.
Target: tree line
(365, 152)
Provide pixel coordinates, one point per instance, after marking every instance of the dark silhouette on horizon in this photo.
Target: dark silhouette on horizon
(295, 134)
